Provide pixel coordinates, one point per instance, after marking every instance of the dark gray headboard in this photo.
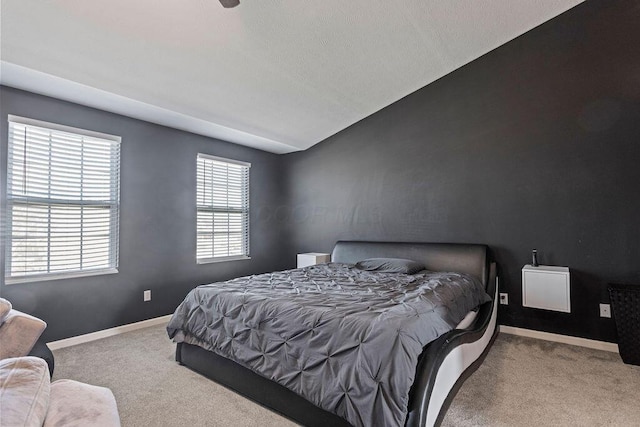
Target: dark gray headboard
(462, 258)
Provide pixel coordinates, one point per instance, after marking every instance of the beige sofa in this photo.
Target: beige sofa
(28, 398)
(27, 395)
(18, 331)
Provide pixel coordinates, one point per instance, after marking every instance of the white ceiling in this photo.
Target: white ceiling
(279, 75)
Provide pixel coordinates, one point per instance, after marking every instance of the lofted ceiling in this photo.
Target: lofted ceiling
(278, 75)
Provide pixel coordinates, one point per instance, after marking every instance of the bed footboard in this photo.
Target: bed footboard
(255, 387)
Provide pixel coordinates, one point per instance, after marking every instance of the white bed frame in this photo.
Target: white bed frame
(454, 366)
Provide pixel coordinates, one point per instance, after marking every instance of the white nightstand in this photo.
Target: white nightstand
(312, 258)
(546, 287)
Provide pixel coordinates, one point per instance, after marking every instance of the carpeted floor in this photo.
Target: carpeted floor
(523, 382)
(528, 382)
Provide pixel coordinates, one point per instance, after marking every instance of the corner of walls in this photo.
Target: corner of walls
(533, 145)
(157, 222)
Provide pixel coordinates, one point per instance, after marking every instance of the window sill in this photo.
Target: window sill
(58, 276)
(223, 259)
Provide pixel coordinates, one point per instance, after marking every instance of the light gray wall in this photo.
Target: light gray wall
(157, 222)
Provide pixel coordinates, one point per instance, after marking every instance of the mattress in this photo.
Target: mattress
(345, 339)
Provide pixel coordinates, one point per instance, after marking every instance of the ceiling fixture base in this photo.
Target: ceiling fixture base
(229, 3)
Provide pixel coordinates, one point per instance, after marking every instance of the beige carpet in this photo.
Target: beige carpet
(151, 389)
(528, 382)
(523, 382)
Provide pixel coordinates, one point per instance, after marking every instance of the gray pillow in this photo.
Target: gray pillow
(390, 265)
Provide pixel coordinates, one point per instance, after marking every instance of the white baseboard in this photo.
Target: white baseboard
(565, 339)
(81, 339)
(547, 336)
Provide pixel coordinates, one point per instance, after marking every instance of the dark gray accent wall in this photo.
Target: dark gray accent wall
(157, 222)
(534, 145)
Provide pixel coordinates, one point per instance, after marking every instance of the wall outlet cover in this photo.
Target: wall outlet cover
(504, 298)
(147, 295)
(605, 310)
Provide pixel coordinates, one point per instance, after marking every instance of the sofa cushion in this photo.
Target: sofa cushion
(76, 404)
(24, 391)
(5, 308)
(19, 333)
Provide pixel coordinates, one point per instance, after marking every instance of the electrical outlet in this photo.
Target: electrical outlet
(504, 298)
(605, 310)
(147, 295)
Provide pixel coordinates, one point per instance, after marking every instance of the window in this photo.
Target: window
(63, 196)
(223, 209)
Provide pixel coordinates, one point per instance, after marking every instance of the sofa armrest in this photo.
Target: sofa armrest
(19, 333)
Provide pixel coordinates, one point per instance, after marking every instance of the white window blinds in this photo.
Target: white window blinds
(63, 195)
(223, 209)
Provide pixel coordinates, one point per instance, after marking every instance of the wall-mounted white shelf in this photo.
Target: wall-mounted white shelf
(547, 287)
(312, 258)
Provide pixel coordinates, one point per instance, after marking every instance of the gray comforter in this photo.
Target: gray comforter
(345, 339)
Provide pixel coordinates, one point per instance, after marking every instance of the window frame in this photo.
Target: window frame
(246, 210)
(114, 220)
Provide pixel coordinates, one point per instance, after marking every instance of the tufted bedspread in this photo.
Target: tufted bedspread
(345, 339)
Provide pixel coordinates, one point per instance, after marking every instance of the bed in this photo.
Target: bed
(419, 397)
